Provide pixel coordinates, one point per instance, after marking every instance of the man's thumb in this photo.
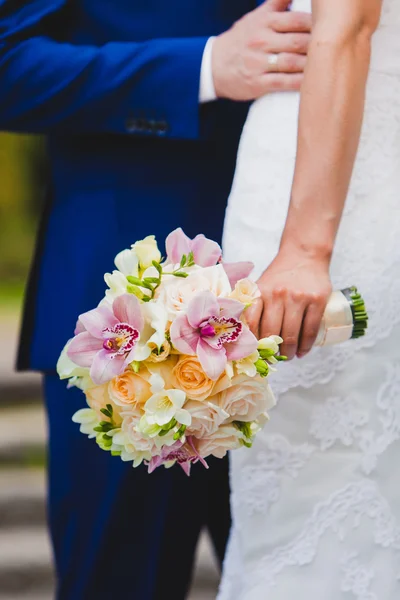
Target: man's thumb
(276, 5)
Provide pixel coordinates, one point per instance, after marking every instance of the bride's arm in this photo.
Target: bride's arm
(296, 286)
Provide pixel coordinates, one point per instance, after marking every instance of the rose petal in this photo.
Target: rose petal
(245, 345)
(206, 252)
(98, 319)
(177, 244)
(202, 307)
(127, 310)
(213, 361)
(183, 336)
(238, 270)
(83, 348)
(105, 366)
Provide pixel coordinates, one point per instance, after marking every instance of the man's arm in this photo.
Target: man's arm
(149, 87)
(118, 87)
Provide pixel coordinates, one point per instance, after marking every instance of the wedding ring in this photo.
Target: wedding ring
(273, 60)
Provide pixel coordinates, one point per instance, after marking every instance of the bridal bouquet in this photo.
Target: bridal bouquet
(170, 370)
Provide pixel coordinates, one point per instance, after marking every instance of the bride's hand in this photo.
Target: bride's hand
(295, 290)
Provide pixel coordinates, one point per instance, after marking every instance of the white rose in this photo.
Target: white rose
(246, 399)
(206, 418)
(147, 251)
(246, 291)
(226, 437)
(176, 293)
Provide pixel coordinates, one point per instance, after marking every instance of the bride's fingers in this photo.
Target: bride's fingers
(310, 328)
(272, 318)
(253, 316)
(291, 328)
(285, 63)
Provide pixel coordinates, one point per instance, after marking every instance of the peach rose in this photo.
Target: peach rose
(189, 377)
(246, 399)
(98, 397)
(246, 291)
(206, 418)
(129, 389)
(226, 437)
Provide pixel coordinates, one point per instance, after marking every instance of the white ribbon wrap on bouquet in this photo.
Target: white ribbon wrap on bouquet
(337, 323)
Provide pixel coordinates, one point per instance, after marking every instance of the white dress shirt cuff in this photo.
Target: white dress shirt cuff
(207, 89)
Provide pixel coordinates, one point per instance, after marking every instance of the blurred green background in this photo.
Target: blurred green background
(21, 193)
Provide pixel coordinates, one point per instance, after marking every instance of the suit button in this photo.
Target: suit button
(162, 127)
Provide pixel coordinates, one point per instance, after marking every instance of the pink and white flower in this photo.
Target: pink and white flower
(211, 328)
(205, 252)
(107, 339)
(183, 453)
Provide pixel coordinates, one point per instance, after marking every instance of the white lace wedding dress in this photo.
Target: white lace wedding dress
(316, 501)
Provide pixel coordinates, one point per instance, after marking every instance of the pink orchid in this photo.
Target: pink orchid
(185, 454)
(211, 329)
(206, 253)
(106, 338)
(237, 271)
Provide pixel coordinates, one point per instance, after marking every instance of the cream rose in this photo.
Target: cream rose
(226, 437)
(98, 397)
(246, 291)
(129, 389)
(206, 418)
(246, 399)
(176, 292)
(189, 376)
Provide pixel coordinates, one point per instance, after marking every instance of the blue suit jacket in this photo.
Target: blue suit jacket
(115, 86)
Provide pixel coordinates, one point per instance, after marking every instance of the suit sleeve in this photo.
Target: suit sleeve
(122, 87)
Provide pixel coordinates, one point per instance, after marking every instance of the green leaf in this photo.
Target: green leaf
(183, 260)
(151, 280)
(190, 259)
(106, 411)
(262, 367)
(181, 274)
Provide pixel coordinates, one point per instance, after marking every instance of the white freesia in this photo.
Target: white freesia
(165, 405)
(66, 369)
(246, 366)
(127, 262)
(156, 317)
(117, 283)
(88, 420)
(270, 343)
(147, 251)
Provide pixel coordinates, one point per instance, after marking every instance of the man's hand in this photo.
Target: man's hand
(265, 51)
(295, 289)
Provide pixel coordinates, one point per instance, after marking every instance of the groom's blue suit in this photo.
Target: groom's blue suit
(115, 85)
